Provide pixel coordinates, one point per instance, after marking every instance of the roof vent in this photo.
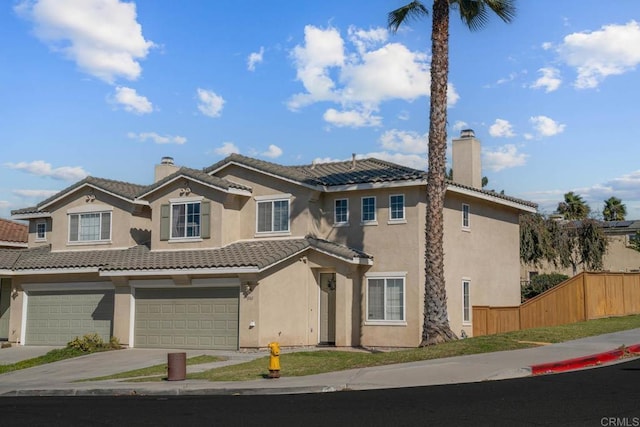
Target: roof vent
(166, 161)
(353, 160)
(467, 133)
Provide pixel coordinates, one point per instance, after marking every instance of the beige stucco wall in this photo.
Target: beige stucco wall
(127, 222)
(486, 254)
(284, 306)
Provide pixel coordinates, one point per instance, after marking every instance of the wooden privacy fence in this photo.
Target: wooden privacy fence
(583, 297)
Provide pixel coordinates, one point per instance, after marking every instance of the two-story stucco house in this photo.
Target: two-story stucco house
(246, 252)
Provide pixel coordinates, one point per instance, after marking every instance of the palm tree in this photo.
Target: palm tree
(474, 14)
(614, 210)
(573, 207)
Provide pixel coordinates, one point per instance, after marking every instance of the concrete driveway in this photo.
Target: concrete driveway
(18, 353)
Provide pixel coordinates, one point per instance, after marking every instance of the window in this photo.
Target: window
(41, 231)
(341, 211)
(90, 227)
(368, 209)
(273, 216)
(185, 220)
(466, 302)
(396, 207)
(385, 299)
(465, 215)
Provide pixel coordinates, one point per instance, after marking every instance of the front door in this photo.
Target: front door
(327, 308)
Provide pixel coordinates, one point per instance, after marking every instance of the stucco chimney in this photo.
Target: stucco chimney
(165, 168)
(467, 168)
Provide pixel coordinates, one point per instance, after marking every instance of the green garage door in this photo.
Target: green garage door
(57, 317)
(187, 318)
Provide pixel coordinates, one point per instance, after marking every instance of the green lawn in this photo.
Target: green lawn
(316, 362)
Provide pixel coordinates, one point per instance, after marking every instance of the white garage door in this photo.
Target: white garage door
(187, 318)
(57, 317)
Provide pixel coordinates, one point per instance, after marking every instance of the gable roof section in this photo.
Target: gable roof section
(13, 233)
(244, 256)
(339, 176)
(198, 176)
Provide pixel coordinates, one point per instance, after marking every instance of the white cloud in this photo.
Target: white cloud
(42, 168)
(255, 58)
(503, 157)
(102, 37)
(405, 141)
(360, 76)
(131, 101)
(501, 129)
(35, 194)
(158, 139)
(549, 80)
(226, 149)
(273, 152)
(546, 126)
(210, 103)
(460, 125)
(351, 118)
(612, 50)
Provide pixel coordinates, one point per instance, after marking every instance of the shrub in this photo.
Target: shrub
(91, 343)
(540, 283)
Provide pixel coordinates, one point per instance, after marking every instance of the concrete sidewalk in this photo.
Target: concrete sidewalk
(58, 378)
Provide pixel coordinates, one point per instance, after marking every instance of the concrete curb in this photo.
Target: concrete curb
(586, 361)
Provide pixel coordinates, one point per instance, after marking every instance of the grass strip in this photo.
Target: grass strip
(54, 355)
(321, 361)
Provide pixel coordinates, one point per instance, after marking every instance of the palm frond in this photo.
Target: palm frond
(475, 13)
(413, 10)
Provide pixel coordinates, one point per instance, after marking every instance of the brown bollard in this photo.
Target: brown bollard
(176, 366)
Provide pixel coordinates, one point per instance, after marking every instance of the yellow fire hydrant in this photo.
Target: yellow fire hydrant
(274, 360)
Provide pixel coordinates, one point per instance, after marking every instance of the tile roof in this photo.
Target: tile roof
(197, 175)
(369, 170)
(11, 231)
(257, 254)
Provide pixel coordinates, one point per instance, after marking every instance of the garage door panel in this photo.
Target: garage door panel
(57, 317)
(189, 318)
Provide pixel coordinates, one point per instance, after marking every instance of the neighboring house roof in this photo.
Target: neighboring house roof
(13, 233)
(195, 175)
(353, 172)
(255, 255)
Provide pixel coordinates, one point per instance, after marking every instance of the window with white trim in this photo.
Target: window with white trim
(396, 207)
(385, 299)
(185, 220)
(369, 209)
(465, 216)
(273, 216)
(41, 230)
(90, 227)
(341, 211)
(466, 301)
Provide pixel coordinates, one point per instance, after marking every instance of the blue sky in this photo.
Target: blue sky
(107, 88)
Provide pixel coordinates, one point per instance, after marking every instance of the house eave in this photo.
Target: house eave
(95, 187)
(6, 243)
(230, 190)
(34, 215)
(43, 271)
(179, 272)
(491, 198)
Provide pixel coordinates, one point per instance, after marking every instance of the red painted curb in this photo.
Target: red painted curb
(583, 362)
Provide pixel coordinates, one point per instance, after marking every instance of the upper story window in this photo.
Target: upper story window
(341, 212)
(386, 298)
(272, 215)
(90, 227)
(41, 230)
(368, 209)
(396, 208)
(185, 220)
(465, 216)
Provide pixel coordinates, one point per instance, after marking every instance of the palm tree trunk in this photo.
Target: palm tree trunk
(436, 324)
